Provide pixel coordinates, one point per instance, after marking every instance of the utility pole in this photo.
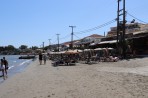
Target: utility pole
(118, 26)
(43, 45)
(49, 44)
(118, 13)
(72, 36)
(121, 28)
(124, 22)
(58, 41)
(49, 41)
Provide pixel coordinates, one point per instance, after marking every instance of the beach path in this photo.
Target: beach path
(123, 79)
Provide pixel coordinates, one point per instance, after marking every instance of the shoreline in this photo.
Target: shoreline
(103, 80)
(16, 67)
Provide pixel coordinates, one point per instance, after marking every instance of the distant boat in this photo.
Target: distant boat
(27, 57)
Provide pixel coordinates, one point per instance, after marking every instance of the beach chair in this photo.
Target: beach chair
(72, 62)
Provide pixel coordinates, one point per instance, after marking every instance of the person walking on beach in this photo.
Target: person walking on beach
(5, 65)
(40, 58)
(44, 58)
(2, 68)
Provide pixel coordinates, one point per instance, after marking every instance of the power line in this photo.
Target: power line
(65, 37)
(77, 36)
(98, 27)
(136, 18)
(54, 41)
(89, 30)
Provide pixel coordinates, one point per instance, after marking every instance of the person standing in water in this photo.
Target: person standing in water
(2, 68)
(5, 65)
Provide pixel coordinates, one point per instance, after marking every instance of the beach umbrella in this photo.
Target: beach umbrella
(98, 49)
(77, 50)
(110, 48)
(71, 52)
(87, 49)
(61, 52)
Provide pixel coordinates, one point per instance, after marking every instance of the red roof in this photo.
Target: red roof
(95, 36)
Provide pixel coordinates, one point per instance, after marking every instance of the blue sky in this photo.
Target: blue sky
(32, 22)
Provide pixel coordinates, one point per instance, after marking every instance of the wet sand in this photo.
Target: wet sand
(123, 79)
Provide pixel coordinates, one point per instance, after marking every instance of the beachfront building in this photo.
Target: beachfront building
(131, 28)
(67, 45)
(85, 42)
(136, 35)
(89, 41)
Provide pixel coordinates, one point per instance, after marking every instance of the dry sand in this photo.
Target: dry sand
(123, 79)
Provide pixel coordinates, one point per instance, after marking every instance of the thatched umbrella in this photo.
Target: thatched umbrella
(98, 49)
(71, 52)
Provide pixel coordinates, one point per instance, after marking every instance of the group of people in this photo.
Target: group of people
(4, 67)
(42, 57)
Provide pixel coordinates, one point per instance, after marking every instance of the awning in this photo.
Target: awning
(140, 32)
(71, 52)
(108, 42)
(92, 44)
(98, 49)
(104, 48)
(87, 49)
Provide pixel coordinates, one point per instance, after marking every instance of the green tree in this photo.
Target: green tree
(34, 47)
(22, 47)
(2, 48)
(11, 47)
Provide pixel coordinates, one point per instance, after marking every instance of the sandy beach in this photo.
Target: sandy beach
(122, 79)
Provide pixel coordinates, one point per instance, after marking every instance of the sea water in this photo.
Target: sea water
(15, 65)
